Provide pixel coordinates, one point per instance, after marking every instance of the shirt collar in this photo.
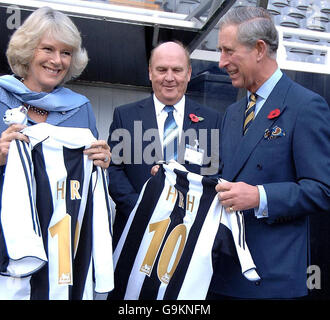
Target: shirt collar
(179, 106)
(265, 90)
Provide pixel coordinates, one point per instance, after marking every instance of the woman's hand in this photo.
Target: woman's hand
(12, 133)
(100, 153)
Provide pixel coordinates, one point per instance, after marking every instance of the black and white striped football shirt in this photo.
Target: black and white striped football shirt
(165, 250)
(56, 218)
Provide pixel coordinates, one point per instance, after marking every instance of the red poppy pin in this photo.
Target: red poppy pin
(274, 113)
(195, 118)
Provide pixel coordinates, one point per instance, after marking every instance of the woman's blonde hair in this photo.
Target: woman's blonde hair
(49, 22)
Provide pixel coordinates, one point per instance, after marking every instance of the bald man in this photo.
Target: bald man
(137, 135)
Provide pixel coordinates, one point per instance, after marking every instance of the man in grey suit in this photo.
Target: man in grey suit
(137, 131)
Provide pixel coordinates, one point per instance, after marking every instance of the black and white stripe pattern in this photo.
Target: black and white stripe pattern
(27, 166)
(165, 251)
(56, 217)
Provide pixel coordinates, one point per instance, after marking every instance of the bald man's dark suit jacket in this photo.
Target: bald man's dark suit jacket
(126, 179)
(294, 168)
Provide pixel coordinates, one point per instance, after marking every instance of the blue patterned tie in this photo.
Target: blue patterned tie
(249, 112)
(171, 133)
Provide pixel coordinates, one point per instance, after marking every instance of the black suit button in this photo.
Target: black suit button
(257, 283)
(259, 166)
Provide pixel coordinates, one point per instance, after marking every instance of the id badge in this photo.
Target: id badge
(194, 155)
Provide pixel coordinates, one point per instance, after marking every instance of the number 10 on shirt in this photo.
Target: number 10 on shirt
(174, 244)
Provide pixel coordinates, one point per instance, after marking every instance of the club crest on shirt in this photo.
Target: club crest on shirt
(65, 279)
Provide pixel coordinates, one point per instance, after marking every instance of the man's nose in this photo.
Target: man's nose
(223, 62)
(169, 75)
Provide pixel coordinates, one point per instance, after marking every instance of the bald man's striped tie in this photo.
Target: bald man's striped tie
(249, 113)
(171, 134)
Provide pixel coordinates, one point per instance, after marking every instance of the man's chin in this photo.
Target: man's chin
(236, 83)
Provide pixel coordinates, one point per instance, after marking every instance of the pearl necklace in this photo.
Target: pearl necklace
(41, 112)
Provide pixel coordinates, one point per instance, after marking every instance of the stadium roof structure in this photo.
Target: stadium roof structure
(119, 35)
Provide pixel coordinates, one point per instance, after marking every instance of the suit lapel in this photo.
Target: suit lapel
(193, 108)
(236, 124)
(147, 114)
(190, 108)
(257, 129)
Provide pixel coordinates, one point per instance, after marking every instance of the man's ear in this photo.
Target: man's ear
(189, 73)
(149, 70)
(261, 48)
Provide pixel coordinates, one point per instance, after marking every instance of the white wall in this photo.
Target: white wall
(105, 98)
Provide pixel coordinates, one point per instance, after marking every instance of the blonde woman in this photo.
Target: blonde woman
(44, 53)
